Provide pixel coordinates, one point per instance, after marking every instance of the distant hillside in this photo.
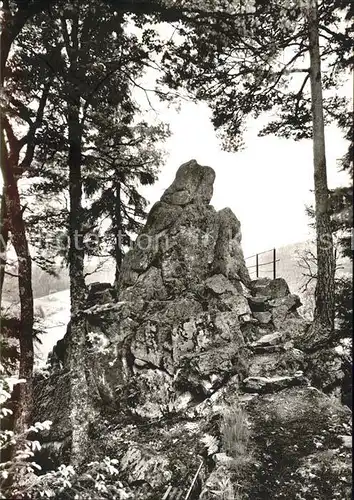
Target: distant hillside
(44, 284)
(55, 312)
(289, 266)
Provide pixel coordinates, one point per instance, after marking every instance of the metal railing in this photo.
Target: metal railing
(258, 264)
(176, 494)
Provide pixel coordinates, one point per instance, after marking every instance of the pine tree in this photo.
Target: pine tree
(342, 221)
(18, 146)
(95, 64)
(80, 86)
(325, 288)
(126, 156)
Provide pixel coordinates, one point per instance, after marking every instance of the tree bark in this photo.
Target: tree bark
(80, 403)
(79, 390)
(4, 237)
(325, 287)
(12, 222)
(23, 392)
(118, 231)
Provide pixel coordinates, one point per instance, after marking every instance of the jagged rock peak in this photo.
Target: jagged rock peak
(183, 299)
(186, 238)
(193, 184)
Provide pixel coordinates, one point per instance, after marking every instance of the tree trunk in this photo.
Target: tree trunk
(19, 241)
(325, 288)
(6, 40)
(12, 24)
(118, 231)
(79, 395)
(23, 393)
(4, 236)
(12, 221)
(79, 390)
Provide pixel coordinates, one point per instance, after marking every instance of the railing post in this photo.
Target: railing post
(193, 482)
(167, 493)
(274, 263)
(257, 266)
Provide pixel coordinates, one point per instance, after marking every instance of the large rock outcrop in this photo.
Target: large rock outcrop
(192, 362)
(177, 330)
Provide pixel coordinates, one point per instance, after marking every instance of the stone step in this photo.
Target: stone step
(270, 339)
(265, 385)
(263, 317)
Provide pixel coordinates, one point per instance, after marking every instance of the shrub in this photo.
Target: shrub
(20, 465)
(18, 475)
(99, 481)
(223, 489)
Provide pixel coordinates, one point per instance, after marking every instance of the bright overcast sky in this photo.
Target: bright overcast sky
(267, 185)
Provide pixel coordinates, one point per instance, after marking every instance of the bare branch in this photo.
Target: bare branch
(12, 139)
(299, 94)
(283, 71)
(30, 139)
(99, 266)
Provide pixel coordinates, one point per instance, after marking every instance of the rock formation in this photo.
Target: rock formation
(191, 356)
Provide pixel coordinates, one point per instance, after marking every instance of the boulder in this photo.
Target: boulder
(192, 184)
(283, 308)
(299, 452)
(326, 368)
(273, 289)
(259, 304)
(263, 317)
(219, 284)
(100, 293)
(278, 362)
(268, 340)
